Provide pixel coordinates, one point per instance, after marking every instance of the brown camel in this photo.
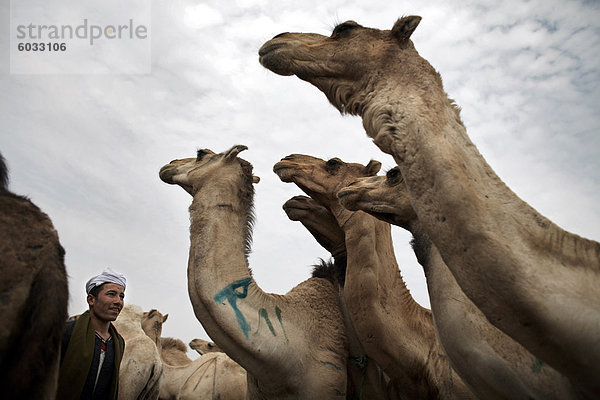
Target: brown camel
(214, 375)
(531, 279)
(269, 335)
(141, 369)
(183, 378)
(394, 330)
(204, 346)
(491, 363)
(34, 293)
(366, 380)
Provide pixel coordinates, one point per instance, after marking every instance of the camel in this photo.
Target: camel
(219, 376)
(269, 335)
(530, 278)
(491, 363)
(141, 367)
(317, 219)
(34, 293)
(213, 375)
(174, 352)
(366, 379)
(184, 378)
(392, 327)
(152, 322)
(204, 346)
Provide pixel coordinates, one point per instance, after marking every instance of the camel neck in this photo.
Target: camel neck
(378, 301)
(224, 296)
(215, 218)
(369, 244)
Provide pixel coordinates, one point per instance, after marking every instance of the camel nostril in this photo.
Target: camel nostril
(281, 34)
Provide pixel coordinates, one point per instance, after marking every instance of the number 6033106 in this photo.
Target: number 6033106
(50, 46)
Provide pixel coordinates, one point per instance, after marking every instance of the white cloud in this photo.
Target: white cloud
(202, 16)
(87, 149)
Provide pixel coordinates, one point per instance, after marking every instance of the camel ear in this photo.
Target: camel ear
(255, 179)
(165, 318)
(404, 27)
(234, 151)
(372, 168)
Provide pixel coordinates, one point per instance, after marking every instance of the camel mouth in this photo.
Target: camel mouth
(345, 192)
(269, 47)
(166, 174)
(383, 212)
(284, 172)
(297, 202)
(294, 207)
(386, 217)
(294, 214)
(270, 58)
(348, 198)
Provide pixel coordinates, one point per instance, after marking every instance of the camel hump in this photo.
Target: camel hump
(332, 271)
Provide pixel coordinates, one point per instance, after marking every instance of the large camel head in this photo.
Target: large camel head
(384, 197)
(204, 346)
(359, 68)
(319, 221)
(321, 179)
(192, 174)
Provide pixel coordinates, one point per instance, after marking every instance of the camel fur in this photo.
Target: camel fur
(34, 293)
(530, 278)
(394, 330)
(492, 364)
(366, 379)
(269, 335)
(141, 369)
(213, 377)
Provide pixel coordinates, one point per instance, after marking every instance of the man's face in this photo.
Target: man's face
(109, 302)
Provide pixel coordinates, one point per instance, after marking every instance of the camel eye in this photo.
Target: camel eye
(333, 164)
(201, 153)
(394, 175)
(344, 27)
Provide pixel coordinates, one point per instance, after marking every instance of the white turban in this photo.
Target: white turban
(107, 276)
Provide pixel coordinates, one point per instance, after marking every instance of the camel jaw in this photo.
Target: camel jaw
(169, 174)
(296, 207)
(349, 198)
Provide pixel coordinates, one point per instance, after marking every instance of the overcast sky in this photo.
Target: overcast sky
(86, 148)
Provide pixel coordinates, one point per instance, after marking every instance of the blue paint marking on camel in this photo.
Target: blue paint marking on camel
(262, 313)
(229, 293)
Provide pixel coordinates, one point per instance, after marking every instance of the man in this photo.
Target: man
(91, 346)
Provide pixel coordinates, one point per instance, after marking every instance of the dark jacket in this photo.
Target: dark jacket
(78, 353)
